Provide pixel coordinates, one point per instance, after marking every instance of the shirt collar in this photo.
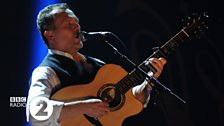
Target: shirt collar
(58, 52)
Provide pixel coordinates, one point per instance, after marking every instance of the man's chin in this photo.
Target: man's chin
(79, 45)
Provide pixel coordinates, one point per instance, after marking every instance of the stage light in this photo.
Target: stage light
(38, 49)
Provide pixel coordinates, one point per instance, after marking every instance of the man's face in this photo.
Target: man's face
(66, 27)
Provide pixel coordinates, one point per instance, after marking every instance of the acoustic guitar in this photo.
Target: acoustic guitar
(113, 84)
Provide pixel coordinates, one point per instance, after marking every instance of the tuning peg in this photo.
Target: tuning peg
(185, 21)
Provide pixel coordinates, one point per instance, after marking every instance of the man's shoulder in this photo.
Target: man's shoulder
(43, 69)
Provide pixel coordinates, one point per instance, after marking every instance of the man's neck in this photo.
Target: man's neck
(78, 57)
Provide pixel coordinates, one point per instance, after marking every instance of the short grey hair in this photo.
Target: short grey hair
(45, 19)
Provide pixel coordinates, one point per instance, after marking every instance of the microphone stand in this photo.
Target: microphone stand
(149, 78)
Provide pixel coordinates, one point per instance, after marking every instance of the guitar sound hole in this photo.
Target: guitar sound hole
(114, 98)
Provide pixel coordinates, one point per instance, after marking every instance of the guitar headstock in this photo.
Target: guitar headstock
(196, 24)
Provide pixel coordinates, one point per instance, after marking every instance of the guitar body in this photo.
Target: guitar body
(106, 78)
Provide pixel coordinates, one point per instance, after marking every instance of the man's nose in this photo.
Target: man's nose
(77, 27)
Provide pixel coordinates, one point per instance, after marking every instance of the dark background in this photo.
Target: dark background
(194, 71)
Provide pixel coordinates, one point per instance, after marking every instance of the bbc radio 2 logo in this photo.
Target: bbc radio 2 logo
(17, 102)
(40, 107)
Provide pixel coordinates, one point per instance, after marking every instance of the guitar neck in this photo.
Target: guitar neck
(170, 45)
(135, 77)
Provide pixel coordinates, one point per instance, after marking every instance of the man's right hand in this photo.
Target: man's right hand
(95, 107)
(92, 107)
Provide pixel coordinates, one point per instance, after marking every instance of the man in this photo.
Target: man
(65, 66)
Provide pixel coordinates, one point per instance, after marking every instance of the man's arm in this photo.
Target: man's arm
(43, 80)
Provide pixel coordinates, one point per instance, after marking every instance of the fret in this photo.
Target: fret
(129, 81)
(137, 75)
(174, 42)
(185, 32)
(124, 85)
(120, 87)
(159, 53)
(145, 67)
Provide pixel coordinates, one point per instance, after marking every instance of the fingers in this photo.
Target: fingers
(96, 108)
(149, 87)
(101, 109)
(163, 61)
(158, 63)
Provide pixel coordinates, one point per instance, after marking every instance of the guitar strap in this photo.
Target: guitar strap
(92, 120)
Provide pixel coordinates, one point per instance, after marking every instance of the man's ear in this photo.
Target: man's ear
(49, 35)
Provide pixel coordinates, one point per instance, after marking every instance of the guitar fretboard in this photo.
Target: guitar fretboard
(135, 77)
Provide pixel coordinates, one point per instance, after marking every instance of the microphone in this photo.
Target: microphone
(84, 36)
